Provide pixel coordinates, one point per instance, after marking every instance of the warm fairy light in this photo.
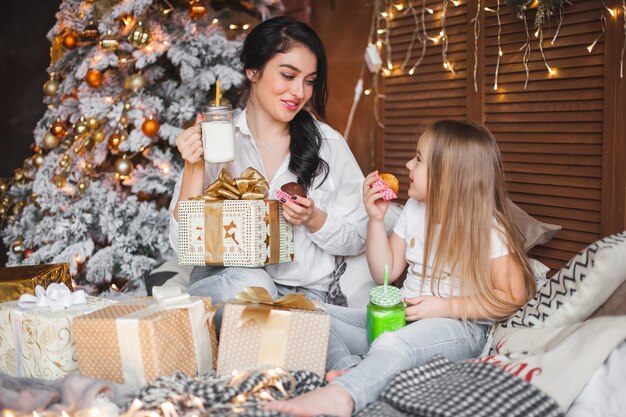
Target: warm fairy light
(51, 106)
(384, 14)
(386, 72)
(246, 26)
(552, 71)
(500, 52)
(429, 10)
(412, 71)
(456, 2)
(434, 40)
(489, 9)
(114, 287)
(108, 99)
(239, 399)
(381, 31)
(149, 48)
(233, 26)
(537, 33)
(165, 168)
(389, 65)
(442, 34)
(379, 44)
(445, 65)
(399, 7)
(166, 43)
(167, 11)
(590, 47)
(235, 372)
(69, 189)
(73, 284)
(127, 20)
(611, 11)
(77, 259)
(367, 92)
(123, 60)
(215, 21)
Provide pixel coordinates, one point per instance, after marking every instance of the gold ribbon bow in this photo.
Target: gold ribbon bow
(261, 304)
(251, 185)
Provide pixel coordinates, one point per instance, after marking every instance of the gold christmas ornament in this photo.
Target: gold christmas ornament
(93, 123)
(65, 161)
(17, 247)
(139, 35)
(124, 121)
(58, 128)
(70, 40)
(49, 141)
(90, 32)
(150, 127)
(134, 82)
(82, 185)
(114, 141)
(94, 78)
(109, 42)
(123, 167)
(51, 87)
(197, 9)
(38, 159)
(98, 136)
(81, 127)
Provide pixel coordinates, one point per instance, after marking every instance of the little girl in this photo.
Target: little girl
(466, 268)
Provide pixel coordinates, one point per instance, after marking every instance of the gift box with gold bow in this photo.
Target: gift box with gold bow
(138, 340)
(289, 333)
(232, 225)
(18, 280)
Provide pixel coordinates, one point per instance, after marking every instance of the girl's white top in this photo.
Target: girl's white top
(340, 196)
(411, 226)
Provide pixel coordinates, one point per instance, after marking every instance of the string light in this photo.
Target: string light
(476, 21)
(611, 11)
(367, 92)
(543, 55)
(415, 35)
(621, 70)
(527, 50)
(603, 24)
(495, 82)
(429, 10)
(558, 29)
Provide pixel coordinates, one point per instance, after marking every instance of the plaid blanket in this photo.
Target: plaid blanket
(441, 388)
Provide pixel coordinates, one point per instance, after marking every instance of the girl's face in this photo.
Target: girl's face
(418, 170)
(285, 84)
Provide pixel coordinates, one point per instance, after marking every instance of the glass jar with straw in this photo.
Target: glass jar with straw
(386, 310)
(218, 131)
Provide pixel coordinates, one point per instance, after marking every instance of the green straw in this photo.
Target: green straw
(386, 277)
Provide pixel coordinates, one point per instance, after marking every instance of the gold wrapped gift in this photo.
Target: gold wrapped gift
(18, 280)
(138, 340)
(289, 333)
(232, 225)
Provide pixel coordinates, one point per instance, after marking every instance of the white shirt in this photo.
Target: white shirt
(340, 196)
(411, 226)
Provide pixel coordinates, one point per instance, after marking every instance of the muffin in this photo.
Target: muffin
(293, 188)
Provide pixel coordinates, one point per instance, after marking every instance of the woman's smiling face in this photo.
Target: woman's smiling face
(285, 84)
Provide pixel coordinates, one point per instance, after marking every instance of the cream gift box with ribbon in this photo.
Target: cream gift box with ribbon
(232, 225)
(139, 340)
(37, 334)
(289, 333)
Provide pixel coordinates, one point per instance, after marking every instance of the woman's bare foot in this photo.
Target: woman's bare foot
(330, 400)
(332, 374)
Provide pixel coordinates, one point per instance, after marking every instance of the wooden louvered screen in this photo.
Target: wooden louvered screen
(556, 137)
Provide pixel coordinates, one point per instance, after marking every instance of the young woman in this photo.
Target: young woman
(466, 268)
(285, 65)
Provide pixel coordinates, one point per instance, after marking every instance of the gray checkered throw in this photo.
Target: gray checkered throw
(441, 388)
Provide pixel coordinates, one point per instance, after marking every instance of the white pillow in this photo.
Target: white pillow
(579, 288)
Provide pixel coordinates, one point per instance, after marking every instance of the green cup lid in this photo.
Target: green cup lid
(383, 298)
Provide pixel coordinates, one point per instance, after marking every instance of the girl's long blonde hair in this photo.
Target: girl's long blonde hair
(466, 199)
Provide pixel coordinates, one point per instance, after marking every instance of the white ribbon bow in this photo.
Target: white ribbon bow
(55, 297)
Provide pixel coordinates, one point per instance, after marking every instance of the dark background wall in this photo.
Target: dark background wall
(24, 57)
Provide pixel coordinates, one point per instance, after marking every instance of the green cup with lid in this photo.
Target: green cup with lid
(385, 311)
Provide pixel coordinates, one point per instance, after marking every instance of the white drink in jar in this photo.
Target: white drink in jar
(218, 134)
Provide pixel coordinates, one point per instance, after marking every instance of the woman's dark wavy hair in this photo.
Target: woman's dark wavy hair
(277, 36)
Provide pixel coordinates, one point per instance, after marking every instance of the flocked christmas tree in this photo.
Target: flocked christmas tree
(126, 76)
